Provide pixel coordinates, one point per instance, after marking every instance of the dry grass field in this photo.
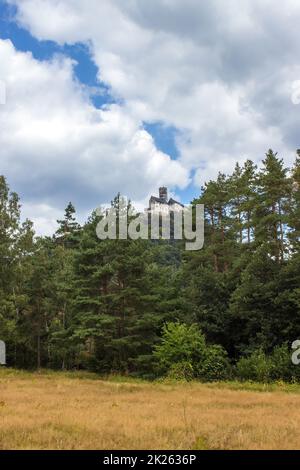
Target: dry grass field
(80, 411)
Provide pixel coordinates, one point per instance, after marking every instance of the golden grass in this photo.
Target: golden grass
(61, 411)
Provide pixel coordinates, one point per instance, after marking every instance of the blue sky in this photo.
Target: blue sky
(85, 69)
(126, 96)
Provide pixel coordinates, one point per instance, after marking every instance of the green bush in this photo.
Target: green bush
(183, 353)
(215, 365)
(256, 367)
(265, 368)
(180, 343)
(181, 371)
(282, 366)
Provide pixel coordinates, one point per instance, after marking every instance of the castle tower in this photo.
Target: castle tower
(163, 194)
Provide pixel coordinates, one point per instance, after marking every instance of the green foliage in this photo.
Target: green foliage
(215, 365)
(183, 352)
(282, 367)
(181, 371)
(256, 367)
(275, 366)
(180, 343)
(75, 302)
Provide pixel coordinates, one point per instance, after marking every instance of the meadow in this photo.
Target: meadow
(82, 411)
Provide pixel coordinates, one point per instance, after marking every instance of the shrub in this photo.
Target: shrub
(184, 354)
(282, 366)
(180, 343)
(262, 368)
(215, 365)
(181, 371)
(256, 367)
(281, 363)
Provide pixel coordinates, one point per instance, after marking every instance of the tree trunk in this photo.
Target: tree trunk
(39, 352)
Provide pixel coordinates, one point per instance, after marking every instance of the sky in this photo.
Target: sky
(108, 96)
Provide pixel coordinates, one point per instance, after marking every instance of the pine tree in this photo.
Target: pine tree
(69, 228)
(294, 206)
(74, 300)
(15, 247)
(253, 308)
(40, 309)
(122, 297)
(271, 211)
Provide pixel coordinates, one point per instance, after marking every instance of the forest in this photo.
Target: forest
(150, 308)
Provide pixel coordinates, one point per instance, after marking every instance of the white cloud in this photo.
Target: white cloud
(190, 64)
(56, 146)
(43, 216)
(221, 72)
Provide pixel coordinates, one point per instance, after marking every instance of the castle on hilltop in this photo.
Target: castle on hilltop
(162, 205)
